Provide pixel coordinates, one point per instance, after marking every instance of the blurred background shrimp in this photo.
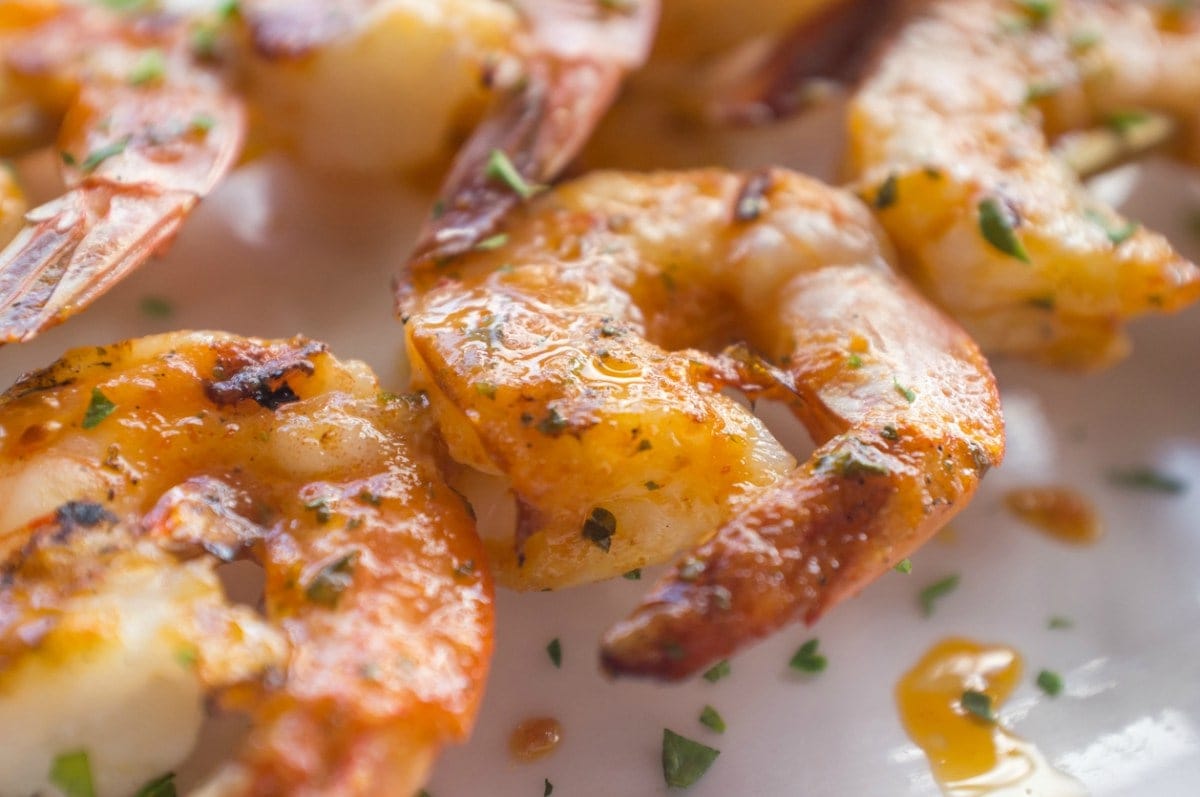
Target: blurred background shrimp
(582, 359)
(964, 137)
(129, 472)
(143, 130)
(149, 108)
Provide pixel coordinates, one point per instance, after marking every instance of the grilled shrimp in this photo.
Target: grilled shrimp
(144, 129)
(950, 137)
(131, 471)
(583, 360)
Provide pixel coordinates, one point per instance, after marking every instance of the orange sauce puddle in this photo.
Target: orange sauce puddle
(534, 738)
(970, 756)
(1060, 512)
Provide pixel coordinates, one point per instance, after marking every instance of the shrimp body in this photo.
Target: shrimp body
(583, 360)
(389, 86)
(144, 129)
(949, 136)
(130, 471)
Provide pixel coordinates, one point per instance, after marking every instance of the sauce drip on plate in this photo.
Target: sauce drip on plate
(968, 754)
(1058, 511)
(534, 738)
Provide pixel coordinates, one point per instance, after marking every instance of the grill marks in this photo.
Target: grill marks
(260, 374)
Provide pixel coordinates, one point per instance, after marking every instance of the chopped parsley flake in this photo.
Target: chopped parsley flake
(909, 395)
(501, 169)
(494, 242)
(331, 581)
(978, 704)
(162, 786)
(684, 761)
(320, 507)
(854, 361)
(710, 718)
(718, 671)
(554, 651)
(633, 575)
(1116, 235)
(1058, 623)
(886, 196)
(202, 123)
(903, 566)
(98, 408)
(600, 526)
(1050, 682)
(150, 68)
(156, 307)
(998, 230)
(653, 485)
(547, 788)
(72, 773)
(1121, 122)
(1038, 11)
(553, 424)
(99, 156)
(929, 596)
(807, 659)
(1147, 478)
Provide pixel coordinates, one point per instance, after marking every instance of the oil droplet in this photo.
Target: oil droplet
(969, 755)
(534, 738)
(1060, 512)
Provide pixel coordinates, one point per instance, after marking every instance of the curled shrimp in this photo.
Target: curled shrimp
(950, 135)
(130, 471)
(144, 129)
(583, 361)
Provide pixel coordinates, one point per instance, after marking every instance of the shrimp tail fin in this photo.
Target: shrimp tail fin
(74, 248)
(543, 121)
(834, 45)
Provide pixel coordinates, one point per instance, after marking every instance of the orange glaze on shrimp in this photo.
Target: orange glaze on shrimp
(950, 137)
(582, 359)
(144, 128)
(129, 471)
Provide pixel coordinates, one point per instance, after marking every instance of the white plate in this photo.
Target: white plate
(275, 253)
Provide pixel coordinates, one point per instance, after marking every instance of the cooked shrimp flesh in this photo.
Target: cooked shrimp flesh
(144, 129)
(130, 471)
(583, 359)
(950, 138)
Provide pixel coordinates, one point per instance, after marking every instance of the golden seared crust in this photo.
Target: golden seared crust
(180, 451)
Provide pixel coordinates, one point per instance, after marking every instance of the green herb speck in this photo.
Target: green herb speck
(710, 718)
(903, 566)
(1147, 478)
(599, 527)
(1050, 682)
(162, 786)
(930, 595)
(501, 169)
(156, 307)
(998, 229)
(554, 651)
(633, 575)
(150, 68)
(978, 704)
(331, 581)
(72, 773)
(807, 659)
(98, 408)
(685, 761)
(718, 671)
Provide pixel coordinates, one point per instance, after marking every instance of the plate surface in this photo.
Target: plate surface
(276, 252)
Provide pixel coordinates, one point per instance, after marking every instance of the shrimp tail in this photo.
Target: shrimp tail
(75, 248)
(163, 152)
(542, 122)
(834, 45)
